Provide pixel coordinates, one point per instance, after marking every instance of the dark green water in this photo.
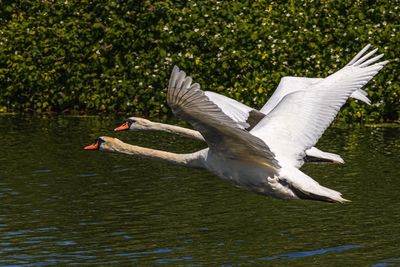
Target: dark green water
(61, 205)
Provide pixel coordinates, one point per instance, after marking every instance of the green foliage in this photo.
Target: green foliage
(116, 56)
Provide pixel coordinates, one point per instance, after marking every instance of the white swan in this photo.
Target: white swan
(248, 117)
(265, 159)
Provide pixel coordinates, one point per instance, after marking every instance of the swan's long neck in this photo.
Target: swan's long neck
(177, 130)
(195, 160)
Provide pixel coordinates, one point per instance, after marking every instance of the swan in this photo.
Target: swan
(265, 159)
(249, 117)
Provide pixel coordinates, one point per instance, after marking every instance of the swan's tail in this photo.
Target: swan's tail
(304, 187)
(316, 155)
(329, 195)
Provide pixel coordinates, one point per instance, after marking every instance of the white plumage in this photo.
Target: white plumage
(301, 117)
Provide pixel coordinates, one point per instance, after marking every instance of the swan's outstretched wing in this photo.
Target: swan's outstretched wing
(286, 86)
(221, 133)
(291, 84)
(301, 117)
(248, 117)
(245, 116)
(234, 109)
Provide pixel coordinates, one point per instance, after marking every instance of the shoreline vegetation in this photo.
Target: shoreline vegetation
(115, 57)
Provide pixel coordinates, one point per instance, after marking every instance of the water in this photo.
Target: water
(61, 205)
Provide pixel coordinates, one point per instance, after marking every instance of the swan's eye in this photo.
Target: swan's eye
(130, 121)
(100, 141)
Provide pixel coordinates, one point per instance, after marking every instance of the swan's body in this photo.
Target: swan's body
(266, 159)
(248, 117)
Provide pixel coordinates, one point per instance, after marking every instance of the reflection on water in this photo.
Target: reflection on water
(61, 205)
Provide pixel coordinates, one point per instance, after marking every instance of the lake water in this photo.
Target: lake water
(62, 205)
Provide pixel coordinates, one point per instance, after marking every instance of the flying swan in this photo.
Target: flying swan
(248, 117)
(265, 159)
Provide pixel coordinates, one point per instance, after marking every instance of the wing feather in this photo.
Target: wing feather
(290, 84)
(301, 117)
(245, 116)
(222, 134)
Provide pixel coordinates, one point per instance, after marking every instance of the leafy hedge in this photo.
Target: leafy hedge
(116, 56)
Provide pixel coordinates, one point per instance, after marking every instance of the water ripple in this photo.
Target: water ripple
(303, 254)
(387, 262)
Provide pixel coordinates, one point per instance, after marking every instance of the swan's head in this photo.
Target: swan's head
(134, 124)
(104, 143)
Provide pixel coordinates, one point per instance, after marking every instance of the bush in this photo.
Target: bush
(116, 56)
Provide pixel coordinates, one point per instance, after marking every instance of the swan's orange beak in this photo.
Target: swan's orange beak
(94, 146)
(123, 127)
